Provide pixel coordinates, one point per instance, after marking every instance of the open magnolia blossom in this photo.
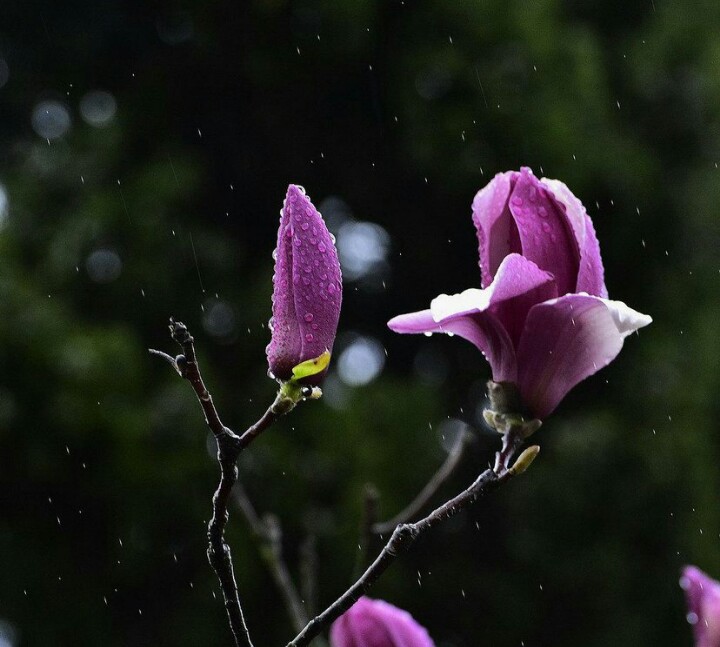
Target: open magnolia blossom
(375, 623)
(703, 600)
(307, 291)
(542, 318)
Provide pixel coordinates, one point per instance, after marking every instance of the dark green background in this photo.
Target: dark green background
(403, 110)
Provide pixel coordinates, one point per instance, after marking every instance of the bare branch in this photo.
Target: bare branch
(446, 470)
(269, 534)
(406, 534)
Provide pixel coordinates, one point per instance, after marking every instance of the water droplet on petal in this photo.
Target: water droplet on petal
(517, 201)
(309, 317)
(427, 334)
(305, 226)
(543, 212)
(322, 247)
(309, 337)
(692, 618)
(546, 227)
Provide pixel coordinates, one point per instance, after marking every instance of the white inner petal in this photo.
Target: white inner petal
(626, 319)
(447, 305)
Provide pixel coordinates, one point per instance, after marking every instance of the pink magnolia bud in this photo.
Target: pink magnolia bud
(542, 318)
(307, 289)
(375, 623)
(703, 601)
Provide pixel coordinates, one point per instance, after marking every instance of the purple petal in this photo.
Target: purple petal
(375, 623)
(703, 600)
(496, 230)
(519, 285)
(482, 329)
(591, 275)
(491, 318)
(566, 340)
(546, 235)
(285, 347)
(307, 288)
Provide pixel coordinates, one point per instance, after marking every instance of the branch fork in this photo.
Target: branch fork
(502, 416)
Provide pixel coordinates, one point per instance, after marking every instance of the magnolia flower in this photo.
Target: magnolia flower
(703, 600)
(375, 623)
(307, 289)
(542, 318)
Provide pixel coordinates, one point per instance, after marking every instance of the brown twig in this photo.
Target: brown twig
(269, 534)
(447, 469)
(405, 535)
(229, 446)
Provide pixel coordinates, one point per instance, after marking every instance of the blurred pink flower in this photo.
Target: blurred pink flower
(307, 288)
(703, 600)
(542, 318)
(375, 623)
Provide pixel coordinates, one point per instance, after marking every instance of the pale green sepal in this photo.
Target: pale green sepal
(311, 367)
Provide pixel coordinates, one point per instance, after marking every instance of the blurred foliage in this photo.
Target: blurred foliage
(403, 110)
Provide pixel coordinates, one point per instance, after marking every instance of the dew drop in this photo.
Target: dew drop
(692, 618)
(543, 212)
(305, 226)
(309, 337)
(517, 201)
(427, 334)
(322, 247)
(546, 227)
(331, 288)
(274, 254)
(309, 317)
(533, 194)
